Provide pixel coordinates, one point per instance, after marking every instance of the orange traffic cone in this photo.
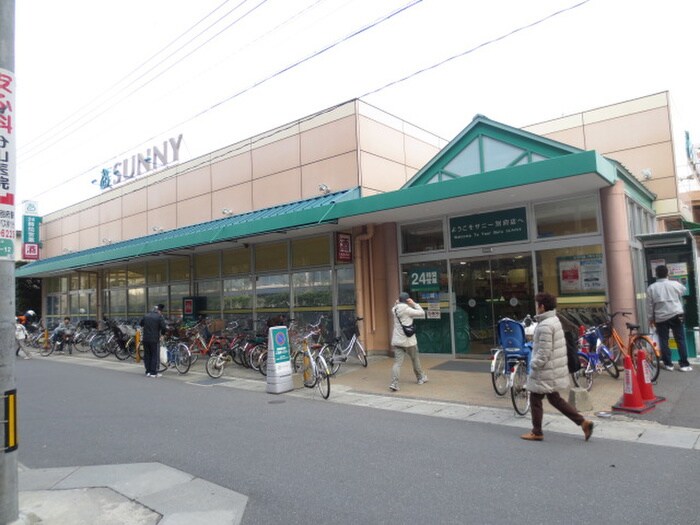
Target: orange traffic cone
(631, 399)
(644, 379)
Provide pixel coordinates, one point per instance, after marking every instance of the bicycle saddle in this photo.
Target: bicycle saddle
(631, 326)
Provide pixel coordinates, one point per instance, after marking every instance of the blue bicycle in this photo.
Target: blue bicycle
(511, 364)
(593, 358)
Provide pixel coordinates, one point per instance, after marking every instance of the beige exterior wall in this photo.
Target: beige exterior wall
(351, 145)
(637, 133)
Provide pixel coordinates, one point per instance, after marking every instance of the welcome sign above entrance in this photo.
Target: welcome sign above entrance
(489, 228)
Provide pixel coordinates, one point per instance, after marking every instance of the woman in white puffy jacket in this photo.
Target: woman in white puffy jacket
(549, 372)
(404, 312)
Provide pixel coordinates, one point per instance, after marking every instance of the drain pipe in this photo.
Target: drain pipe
(359, 275)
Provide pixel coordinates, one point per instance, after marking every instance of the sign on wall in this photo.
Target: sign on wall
(581, 274)
(489, 228)
(7, 165)
(343, 247)
(424, 280)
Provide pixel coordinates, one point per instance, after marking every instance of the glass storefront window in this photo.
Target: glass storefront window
(63, 284)
(212, 291)
(272, 293)
(88, 281)
(235, 261)
(311, 252)
(117, 304)
(238, 296)
(52, 285)
(567, 217)
(180, 269)
(157, 295)
(136, 275)
(422, 237)
(115, 278)
(177, 293)
(345, 277)
(157, 272)
(74, 282)
(271, 256)
(313, 298)
(576, 276)
(206, 265)
(137, 302)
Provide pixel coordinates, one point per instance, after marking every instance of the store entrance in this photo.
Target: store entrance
(486, 290)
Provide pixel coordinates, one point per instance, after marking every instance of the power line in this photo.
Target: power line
(251, 87)
(75, 119)
(329, 47)
(476, 48)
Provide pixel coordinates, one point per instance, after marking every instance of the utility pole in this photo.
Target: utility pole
(9, 496)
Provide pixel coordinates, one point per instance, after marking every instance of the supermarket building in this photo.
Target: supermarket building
(336, 213)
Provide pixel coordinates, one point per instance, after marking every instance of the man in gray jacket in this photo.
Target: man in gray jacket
(404, 312)
(549, 371)
(665, 310)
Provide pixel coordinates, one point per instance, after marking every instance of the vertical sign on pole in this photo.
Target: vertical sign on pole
(279, 366)
(7, 165)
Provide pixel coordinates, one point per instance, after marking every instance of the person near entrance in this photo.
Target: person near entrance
(404, 312)
(665, 310)
(153, 327)
(549, 371)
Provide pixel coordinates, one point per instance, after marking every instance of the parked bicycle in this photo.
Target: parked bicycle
(511, 364)
(594, 357)
(178, 355)
(313, 367)
(336, 353)
(636, 341)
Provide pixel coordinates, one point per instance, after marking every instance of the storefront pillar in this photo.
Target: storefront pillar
(621, 293)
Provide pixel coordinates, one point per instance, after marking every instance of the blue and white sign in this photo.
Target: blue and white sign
(279, 365)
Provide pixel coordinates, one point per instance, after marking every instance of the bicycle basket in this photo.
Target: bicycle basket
(128, 331)
(350, 330)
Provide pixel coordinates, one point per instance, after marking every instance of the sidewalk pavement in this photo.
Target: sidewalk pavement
(144, 493)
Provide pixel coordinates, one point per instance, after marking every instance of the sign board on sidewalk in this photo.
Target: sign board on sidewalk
(279, 365)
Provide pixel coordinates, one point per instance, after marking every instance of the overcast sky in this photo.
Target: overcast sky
(100, 81)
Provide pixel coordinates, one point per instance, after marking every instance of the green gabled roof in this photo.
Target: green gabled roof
(308, 212)
(560, 169)
(473, 142)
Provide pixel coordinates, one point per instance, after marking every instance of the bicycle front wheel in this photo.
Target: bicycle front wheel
(653, 360)
(518, 393)
(215, 365)
(323, 377)
(182, 358)
(99, 347)
(332, 356)
(47, 350)
(499, 379)
(583, 377)
(361, 353)
(608, 363)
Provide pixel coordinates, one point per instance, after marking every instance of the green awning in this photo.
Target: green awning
(299, 214)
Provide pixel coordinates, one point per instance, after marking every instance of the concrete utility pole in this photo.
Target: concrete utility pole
(9, 497)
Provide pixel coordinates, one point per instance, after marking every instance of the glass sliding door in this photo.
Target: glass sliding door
(486, 290)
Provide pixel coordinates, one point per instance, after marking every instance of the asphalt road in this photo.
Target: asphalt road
(302, 460)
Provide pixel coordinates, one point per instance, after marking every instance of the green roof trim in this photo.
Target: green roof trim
(308, 212)
(554, 169)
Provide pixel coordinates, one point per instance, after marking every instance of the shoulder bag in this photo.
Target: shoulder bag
(409, 330)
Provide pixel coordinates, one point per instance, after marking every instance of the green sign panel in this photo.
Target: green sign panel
(280, 344)
(424, 280)
(489, 228)
(7, 248)
(30, 229)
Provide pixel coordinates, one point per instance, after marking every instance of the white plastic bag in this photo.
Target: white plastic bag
(163, 355)
(655, 337)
